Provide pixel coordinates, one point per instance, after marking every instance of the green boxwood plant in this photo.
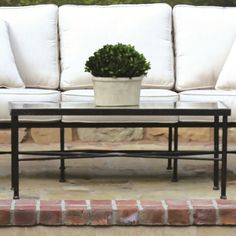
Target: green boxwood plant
(119, 60)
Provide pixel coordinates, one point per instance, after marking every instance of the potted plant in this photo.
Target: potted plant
(117, 72)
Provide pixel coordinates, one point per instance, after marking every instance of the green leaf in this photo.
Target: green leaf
(119, 60)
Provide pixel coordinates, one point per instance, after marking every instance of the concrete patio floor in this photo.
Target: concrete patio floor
(114, 178)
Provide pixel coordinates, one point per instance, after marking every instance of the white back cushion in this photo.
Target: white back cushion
(227, 77)
(9, 75)
(84, 29)
(203, 38)
(33, 35)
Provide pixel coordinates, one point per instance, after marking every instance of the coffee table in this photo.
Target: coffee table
(20, 112)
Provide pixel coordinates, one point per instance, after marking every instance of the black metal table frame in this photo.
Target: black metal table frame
(170, 154)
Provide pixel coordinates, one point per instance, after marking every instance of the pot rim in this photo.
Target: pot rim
(119, 79)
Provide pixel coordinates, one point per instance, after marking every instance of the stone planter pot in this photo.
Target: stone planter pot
(117, 92)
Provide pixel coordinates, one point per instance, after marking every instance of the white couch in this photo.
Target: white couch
(46, 48)
(204, 39)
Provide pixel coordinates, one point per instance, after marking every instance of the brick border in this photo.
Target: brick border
(117, 212)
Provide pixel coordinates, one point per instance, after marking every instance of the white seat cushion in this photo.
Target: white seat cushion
(33, 36)
(27, 95)
(84, 29)
(227, 77)
(227, 97)
(203, 39)
(9, 75)
(147, 95)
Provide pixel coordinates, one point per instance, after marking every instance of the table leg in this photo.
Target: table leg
(62, 161)
(175, 170)
(12, 162)
(15, 158)
(169, 165)
(224, 157)
(216, 153)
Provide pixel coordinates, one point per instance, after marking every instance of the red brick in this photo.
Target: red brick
(100, 202)
(152, 216)
(204, 216)
(222, 202)
(50, 202)
(201, 202)
(151, 203)
(127, 215)
(228, 215)
(227, 212)
(25, 215)
(5, 202)
(5, 215)
(76, 212)
(76, 215)
(25, 212)
(127, 212)
(204, 212)
(50, 214)
(177, 203)
(28, 202)
(75, 202)
(178, 212)
(5, 212)
(178, 216)
(101, 214)
(126, 203)
(152, 213)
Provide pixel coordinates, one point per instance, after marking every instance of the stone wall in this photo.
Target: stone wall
(52, 135)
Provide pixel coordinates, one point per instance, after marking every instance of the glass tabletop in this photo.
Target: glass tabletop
(145, 108)
(142, 105)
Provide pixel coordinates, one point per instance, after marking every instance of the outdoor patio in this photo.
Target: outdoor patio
(115, 178)
(114, 91)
